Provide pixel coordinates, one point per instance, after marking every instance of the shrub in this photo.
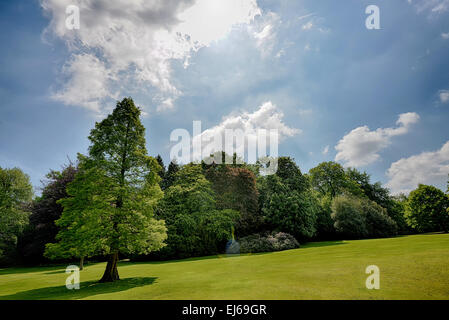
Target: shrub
(276, 241)
(358, 218)
(348, 217)
(325, 229)
(378, 223)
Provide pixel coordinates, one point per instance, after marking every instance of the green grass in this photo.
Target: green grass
(411, 267)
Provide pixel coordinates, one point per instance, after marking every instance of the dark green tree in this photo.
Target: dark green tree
(426, 209)
(288, 204)
(44, 212)
(162, 170)
(169, 176)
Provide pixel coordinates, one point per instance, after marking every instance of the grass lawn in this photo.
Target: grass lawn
(411, 267)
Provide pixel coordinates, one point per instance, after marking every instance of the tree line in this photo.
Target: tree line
(117, 201)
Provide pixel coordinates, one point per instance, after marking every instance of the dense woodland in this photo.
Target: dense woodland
(118, 202)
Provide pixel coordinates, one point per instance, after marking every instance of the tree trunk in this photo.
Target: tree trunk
(82, 263)
(111, 272)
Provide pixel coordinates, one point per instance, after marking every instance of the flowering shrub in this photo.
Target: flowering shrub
(276, 241)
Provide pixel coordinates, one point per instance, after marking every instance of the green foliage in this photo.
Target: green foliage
(15, 194)
(44, 212)
(111, 202)
(235, 188)
(358, 218)
(275, 241)
(161, 172)
(287, 204)
(325, 229)
(348, 217)
(195, 226)
(329, 178)
(426, 209)
(378, 223)
(291, 175)
(169, 176)
(396, 210)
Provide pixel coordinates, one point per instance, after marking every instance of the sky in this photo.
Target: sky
(374, 99)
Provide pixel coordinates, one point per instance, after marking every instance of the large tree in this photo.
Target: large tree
(426, 209)
(287, 202)
(235, 188)
(111, 202)
(44, 212)
(15, 193)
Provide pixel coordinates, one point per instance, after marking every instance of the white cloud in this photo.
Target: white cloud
(445, 35)
(87, 82)
(444, 96)
(135, 41)
(430, 6)
(267, 116)
(166, 104)
(325, 150)
(427, 168)
(361, 146)
(307, 26)
(265, 34)
(306, 16)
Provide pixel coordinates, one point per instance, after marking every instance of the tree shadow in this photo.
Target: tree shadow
(17, 270)
(53, 269)
(322, 244)
(87, 288)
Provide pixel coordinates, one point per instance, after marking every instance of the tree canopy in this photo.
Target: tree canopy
(15, 193)
(426, 209)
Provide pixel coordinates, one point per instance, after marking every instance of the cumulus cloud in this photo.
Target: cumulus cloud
(134, 42)
(267, 116)
(445, 35)
(87, 82)
(444, 96)
(361, 146)
(325, 150)
(427, 168)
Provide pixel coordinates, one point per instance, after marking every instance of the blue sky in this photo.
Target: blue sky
(381, 97)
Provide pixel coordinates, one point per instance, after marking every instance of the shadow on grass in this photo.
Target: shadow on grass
(54, 269)
(17, 270)
(87, 288)
(322, 244)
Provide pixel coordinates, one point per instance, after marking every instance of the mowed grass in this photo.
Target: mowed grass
(411, 267)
